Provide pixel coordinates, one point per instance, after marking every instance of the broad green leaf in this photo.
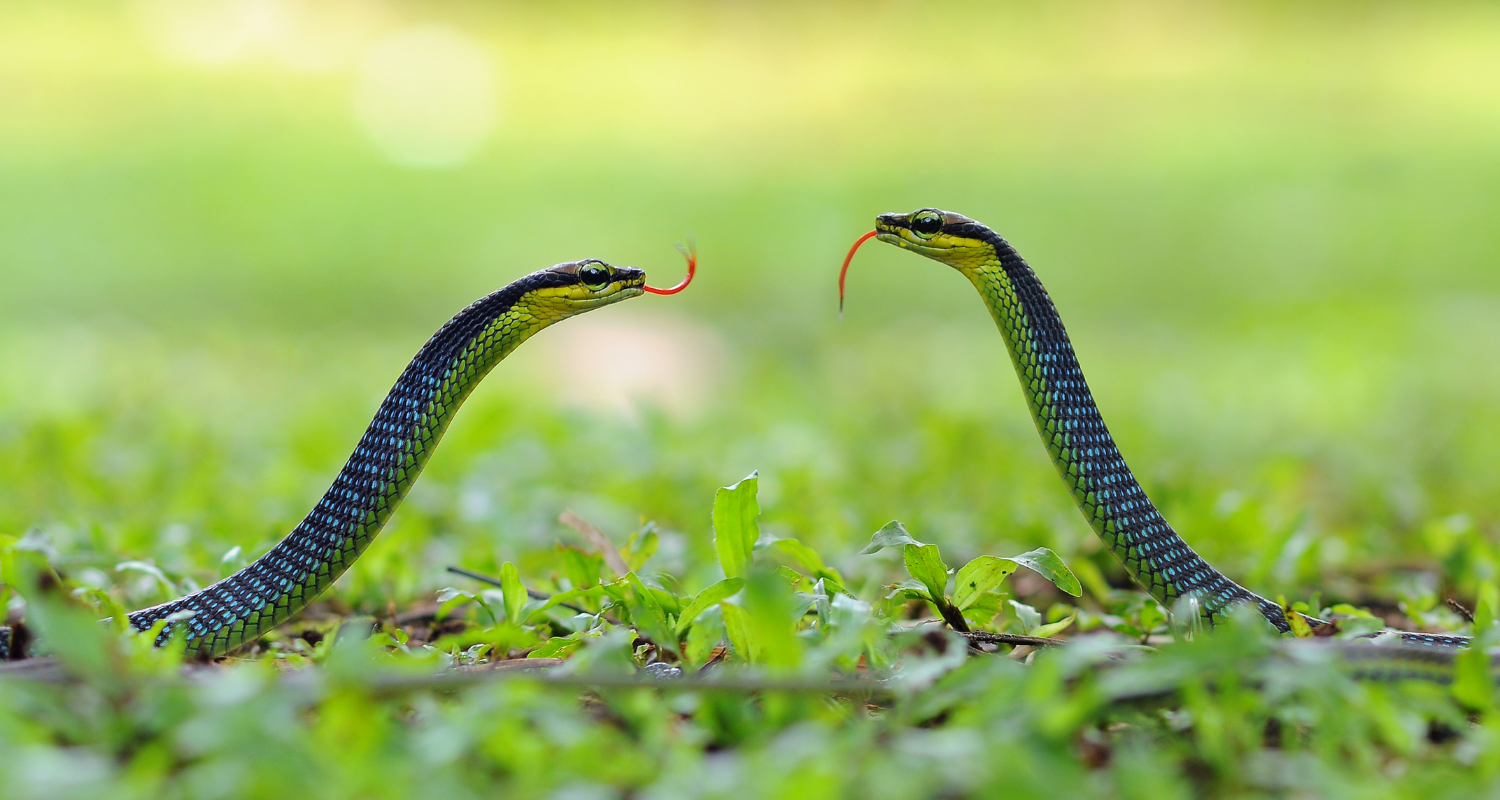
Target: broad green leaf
(1351, 611)
(741, 633)
(514, 593)
(794, 579)
(717, 593)
(557, 647)
(979, 576)
(1152, 616)
(572, 596)
(892, 534)
(981, 611)
(1044, 562)
(582, 568)
(735, 528)
(1029, 618)
(641, 547)
(704, 635)
(450, 598)
(647, 614)
(924, 563)
(1298, 623)
(772, 617)
(1053, 628)
(812, 562)
(912, 588)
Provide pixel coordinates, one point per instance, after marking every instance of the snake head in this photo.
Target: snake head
(591, 283)
(944, 236)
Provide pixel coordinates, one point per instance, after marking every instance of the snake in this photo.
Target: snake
(389, 457)
(1067, 418)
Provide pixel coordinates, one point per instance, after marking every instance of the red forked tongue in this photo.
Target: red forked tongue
(845, 270)
(691, 255)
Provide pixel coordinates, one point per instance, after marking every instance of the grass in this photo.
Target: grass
(1267, 230)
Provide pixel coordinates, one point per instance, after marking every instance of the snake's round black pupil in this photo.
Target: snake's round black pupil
(927, 225)
(594, 276)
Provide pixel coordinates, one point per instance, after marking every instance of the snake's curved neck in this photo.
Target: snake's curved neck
(373, 482)
(1102, 484)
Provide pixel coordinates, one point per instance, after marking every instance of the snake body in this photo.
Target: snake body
(389, 457)
(1102, 485)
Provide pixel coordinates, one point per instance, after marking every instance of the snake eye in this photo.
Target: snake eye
(926, 223)
(594, 277)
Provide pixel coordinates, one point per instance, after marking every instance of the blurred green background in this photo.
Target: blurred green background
(225, 227)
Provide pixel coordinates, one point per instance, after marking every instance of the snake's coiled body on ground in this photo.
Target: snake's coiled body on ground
(388, 458)
(1071, 428)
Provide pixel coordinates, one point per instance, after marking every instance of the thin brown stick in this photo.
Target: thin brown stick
(612, 557)
(1462, 612)
(532, 593)
(1010, 638)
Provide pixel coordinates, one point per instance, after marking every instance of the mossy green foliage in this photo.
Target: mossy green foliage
(1267, 228)
(821, 690)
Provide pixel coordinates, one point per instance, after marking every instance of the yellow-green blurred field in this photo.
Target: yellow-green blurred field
(225, 227)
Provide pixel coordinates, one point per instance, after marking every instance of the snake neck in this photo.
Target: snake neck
(1102, 484)
(381, 470)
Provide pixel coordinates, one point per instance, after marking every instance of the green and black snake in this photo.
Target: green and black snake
(389, 457)
(1102, 484)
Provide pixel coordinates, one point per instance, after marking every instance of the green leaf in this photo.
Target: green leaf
(735, 528)
(572, 596)
(513, 591)
(1152, 616)
(979, 576)
(893, 534)
(812, 562)
(1044, 562)
(582, 568)
(981, 611)
(741, 635)
(1473, 685)
(450, 598)
(772, 616)
(557, 647)
(647, 614)
(1486, 609)
(641, 547)
(1351, 611)
(1029, 618)
(910, 589)
(1053, 628)
(925, 564)
(717, 593)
